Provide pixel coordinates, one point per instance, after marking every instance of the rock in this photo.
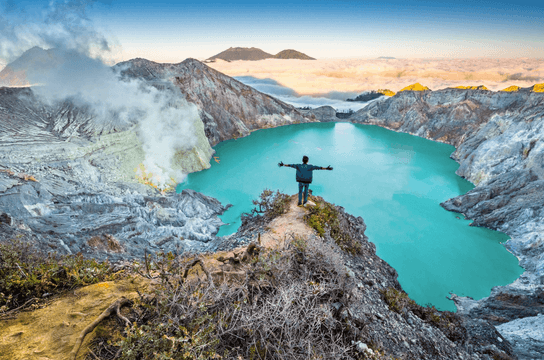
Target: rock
(526, 334)
(323, 113)
(6, 219)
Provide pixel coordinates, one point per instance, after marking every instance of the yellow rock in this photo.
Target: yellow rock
(50, 332)
(512, 88)
(538, 88)
(415, 87)
(386, 92)
(479, 87)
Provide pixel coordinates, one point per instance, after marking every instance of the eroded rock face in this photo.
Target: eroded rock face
(228, 108)
(499, 148)
(322, 113)
(110, 225)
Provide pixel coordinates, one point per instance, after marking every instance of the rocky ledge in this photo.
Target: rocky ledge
(387, 323)
(498, 137)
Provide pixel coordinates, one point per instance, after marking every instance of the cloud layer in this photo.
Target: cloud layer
(271, 87)
(318, 77)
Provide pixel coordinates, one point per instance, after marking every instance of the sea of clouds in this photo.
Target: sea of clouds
(80, 74)
(323, 76)
(335, 99)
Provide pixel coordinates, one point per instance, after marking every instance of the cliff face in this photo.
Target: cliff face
(499, 148)
(228, 108)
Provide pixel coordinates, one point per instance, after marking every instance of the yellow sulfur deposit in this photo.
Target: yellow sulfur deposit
(512, 88)
(147, 178)
(415, 87)
(50, 332)
(479, 87)
(386, 92)
(538, 88)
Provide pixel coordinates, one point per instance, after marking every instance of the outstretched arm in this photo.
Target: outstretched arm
(327, 168)
(280, 164)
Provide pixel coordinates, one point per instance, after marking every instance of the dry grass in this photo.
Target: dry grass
(281, 308)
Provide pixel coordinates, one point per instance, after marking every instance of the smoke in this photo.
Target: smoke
(76, 72)
(61, 24)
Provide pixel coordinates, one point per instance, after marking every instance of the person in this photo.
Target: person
(304, 177)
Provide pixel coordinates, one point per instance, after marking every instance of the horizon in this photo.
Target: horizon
(172, 31)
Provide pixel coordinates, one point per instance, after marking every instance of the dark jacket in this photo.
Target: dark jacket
(304, 172)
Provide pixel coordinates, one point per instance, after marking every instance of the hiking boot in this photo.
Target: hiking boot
(300, 204)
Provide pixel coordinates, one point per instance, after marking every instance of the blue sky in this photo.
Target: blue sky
(170, 31)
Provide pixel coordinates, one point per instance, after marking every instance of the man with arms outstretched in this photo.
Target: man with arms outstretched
(304, 177)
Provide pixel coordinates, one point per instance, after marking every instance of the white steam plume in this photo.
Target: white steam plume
(165, 121)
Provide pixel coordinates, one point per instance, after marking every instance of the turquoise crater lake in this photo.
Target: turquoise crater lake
(394, 181)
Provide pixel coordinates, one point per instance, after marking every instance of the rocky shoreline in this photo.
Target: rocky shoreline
(497, 136)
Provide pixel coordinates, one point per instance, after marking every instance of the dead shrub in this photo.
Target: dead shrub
(288, 306)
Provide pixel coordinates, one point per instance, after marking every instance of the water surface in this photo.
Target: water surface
(394, 181)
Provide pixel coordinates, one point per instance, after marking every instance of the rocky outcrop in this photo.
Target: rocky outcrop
(228, 108)
(323, 113)
(381, 314)
(499, 149)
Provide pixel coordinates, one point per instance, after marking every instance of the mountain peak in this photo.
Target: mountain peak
(241, 53)
(253, 53)
(292, 54)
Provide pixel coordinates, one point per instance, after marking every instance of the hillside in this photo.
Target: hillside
(228, 108)
(292, 54)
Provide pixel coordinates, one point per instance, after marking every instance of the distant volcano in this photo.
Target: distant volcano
(240, 53)
(35, 59)
(292, 54)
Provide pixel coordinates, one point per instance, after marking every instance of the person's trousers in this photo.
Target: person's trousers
(302, 187)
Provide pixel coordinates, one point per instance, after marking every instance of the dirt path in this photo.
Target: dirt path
(289, 224)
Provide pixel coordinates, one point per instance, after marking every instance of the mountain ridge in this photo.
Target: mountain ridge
(255, 54)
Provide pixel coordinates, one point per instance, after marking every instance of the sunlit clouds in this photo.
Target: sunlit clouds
(315, 77)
